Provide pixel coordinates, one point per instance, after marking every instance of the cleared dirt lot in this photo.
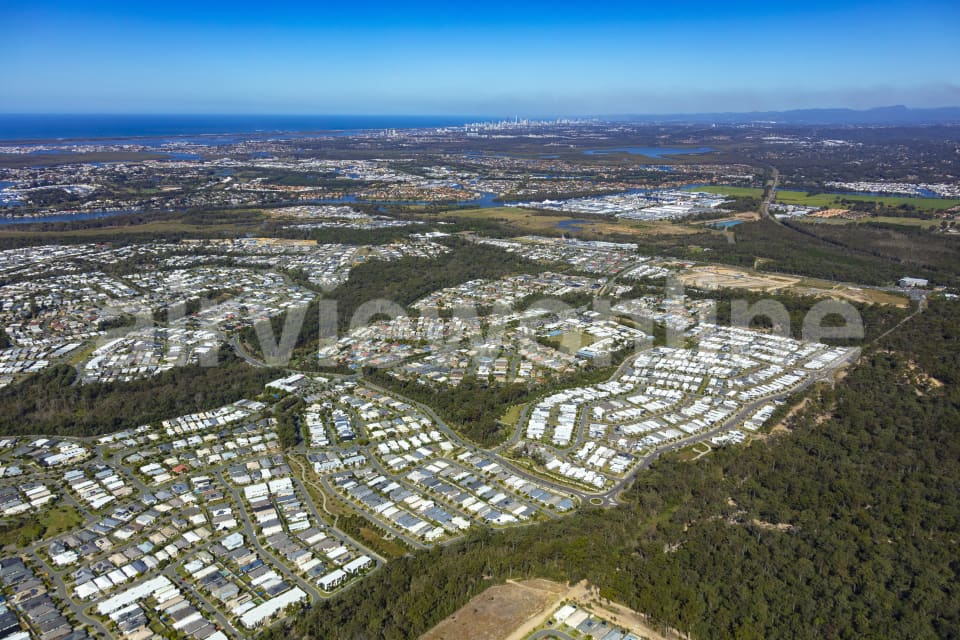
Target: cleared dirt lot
(499, 611)
(721, 277)
(728, 278)
(513, 610)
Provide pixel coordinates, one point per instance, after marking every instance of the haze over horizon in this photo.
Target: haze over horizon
(435, 58)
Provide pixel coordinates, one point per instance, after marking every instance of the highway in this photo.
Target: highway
(240, 351)
(771, 195)
(612, 280)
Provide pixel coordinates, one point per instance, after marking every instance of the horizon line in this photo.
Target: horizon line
(620, 114)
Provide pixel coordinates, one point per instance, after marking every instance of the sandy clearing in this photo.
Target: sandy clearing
(513, 610)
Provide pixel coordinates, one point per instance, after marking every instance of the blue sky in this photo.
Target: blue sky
(498, 58)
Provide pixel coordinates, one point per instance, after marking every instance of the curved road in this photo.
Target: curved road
(771, 195)
(550, 633)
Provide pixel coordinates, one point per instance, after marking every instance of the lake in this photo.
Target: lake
(724, 224)
(571, 225)
(650, 152)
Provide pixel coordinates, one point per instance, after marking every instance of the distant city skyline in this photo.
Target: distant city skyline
(535, 59)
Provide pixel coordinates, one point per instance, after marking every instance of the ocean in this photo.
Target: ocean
(43, 127)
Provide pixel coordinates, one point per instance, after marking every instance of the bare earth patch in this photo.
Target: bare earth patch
(720, 277)
(512, 611)
(724, 277)
(782, 526)
(497, 612)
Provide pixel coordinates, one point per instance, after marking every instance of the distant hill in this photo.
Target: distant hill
(898, 114)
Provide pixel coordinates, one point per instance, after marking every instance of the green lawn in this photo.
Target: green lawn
(740, 192)
(833, 200)
(512, 416)
(909, 222)
(50, 523)
(787, 196)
